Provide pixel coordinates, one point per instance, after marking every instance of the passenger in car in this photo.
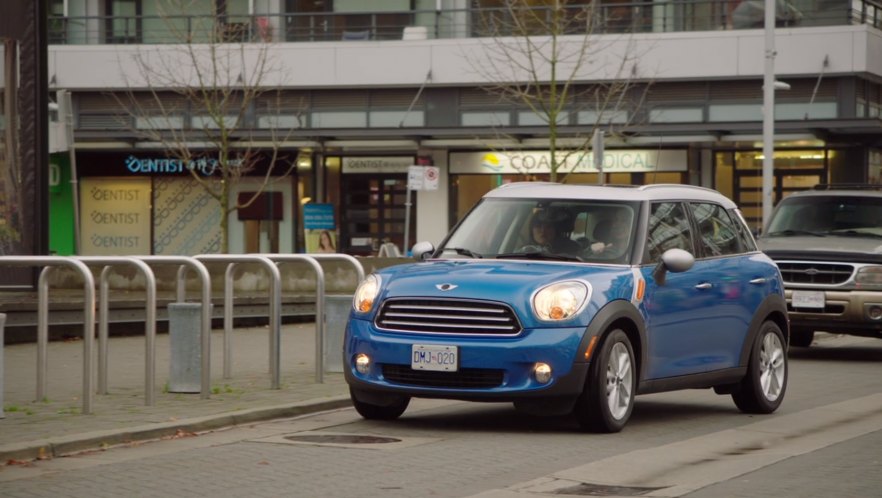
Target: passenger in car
(611, 236)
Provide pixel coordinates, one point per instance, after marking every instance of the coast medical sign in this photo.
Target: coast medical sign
(538, 162)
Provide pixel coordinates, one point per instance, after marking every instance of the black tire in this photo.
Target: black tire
(762, 388)
(801, 338)
(390, 411)
(607, 401)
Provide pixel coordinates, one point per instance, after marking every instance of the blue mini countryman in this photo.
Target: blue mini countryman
(574, 299)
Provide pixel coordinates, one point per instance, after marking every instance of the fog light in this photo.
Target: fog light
(362, 363)
(542, 373)
(874, 311)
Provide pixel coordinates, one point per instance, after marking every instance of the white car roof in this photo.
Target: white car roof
(652, 192)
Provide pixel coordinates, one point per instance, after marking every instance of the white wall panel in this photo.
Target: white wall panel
(663, 56)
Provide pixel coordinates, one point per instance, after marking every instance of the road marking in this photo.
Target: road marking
(685, 466)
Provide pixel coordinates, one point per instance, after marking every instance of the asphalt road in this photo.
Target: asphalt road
(824, 441)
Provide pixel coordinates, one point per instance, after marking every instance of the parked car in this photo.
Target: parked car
(828, 244)
(640, 290)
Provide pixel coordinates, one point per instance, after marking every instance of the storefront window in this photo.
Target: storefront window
(875, 173)
(739, 176)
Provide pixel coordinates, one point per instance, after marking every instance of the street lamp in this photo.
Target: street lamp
(768, 111)
(769, 87)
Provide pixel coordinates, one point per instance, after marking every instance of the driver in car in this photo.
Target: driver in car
(547, 235)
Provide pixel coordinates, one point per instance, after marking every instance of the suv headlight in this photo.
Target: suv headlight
(561, 300)
(869, 277)
(366, 294)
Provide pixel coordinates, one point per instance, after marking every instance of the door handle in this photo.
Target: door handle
(758, 281)
(705, 285)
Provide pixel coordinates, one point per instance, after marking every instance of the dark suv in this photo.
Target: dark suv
(828, 244)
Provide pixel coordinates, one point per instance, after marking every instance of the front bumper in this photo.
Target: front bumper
(509, 359)
(847, 312)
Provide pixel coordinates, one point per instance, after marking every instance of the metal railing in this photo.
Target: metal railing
(275, 307)
(47, 262)
(205, 299)
(606, 17)
(144, 264)
(103, 321)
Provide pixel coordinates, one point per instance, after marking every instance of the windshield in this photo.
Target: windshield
(552, 229)
(828, 215)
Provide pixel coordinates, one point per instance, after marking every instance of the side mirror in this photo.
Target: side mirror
(422, 251)
(673, 260)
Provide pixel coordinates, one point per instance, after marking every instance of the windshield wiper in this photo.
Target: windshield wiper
(462, 251)
(855, 233)
(538, 255)
(788, 233)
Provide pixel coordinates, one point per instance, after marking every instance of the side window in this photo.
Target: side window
(717, 231)
(668, 229)
(744, 234)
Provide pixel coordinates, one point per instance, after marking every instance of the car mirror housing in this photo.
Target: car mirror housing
(674, 260)
(421, 251)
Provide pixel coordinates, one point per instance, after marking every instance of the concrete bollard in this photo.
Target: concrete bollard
(184, 337)
(336, 314)
(2, 342)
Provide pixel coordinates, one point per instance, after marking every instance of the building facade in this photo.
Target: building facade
(356, 97)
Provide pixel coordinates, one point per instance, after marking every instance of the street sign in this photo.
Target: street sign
(422, 178)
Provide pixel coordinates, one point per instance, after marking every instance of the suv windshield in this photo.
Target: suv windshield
(552, 229)
(828, 215)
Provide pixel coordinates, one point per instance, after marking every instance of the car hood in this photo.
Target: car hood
(830, 248)
(510, 282)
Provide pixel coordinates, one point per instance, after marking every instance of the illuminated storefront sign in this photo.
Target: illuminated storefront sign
(205, 166)
(374, 164)
(537, 162)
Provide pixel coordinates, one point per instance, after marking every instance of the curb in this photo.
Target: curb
(66, 445)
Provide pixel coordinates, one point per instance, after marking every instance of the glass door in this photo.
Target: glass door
(373, 211)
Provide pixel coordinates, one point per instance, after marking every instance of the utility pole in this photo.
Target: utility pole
(768, 112)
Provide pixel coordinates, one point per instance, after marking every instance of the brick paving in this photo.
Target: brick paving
(55, 425)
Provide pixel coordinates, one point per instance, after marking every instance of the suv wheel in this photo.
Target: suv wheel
(608, 398)
(380, 412)
(762, 389)
(801, 338)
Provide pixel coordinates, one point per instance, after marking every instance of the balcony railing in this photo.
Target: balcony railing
(605, 17)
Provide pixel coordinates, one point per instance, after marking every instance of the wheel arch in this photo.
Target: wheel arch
(773, 308)
(618, 314)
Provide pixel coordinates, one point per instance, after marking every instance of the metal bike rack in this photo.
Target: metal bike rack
(205, 278)
(359, 269)
(103, 321)
(275, 308)
(48, 262)
(319, 305)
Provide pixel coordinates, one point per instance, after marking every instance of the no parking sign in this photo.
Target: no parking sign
(422, 178)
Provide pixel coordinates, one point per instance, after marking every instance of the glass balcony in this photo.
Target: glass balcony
(485, 20)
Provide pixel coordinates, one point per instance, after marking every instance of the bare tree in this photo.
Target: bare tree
(545, 57)
(218, 78)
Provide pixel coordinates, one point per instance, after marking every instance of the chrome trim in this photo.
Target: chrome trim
(486, 311)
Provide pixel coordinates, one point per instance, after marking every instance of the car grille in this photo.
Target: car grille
(465, 378)
(814, 273)
(447, 316)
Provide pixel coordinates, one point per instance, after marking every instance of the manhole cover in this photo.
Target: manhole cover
(341, 439)
(344, 440)
(588, 489)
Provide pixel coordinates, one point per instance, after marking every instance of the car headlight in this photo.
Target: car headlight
(560, 300)
(366, 294)
(869, 277)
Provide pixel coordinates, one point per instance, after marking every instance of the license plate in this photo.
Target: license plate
(434, 357)
(807, 299)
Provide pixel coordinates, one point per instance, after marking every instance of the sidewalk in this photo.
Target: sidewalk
(54, 426)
